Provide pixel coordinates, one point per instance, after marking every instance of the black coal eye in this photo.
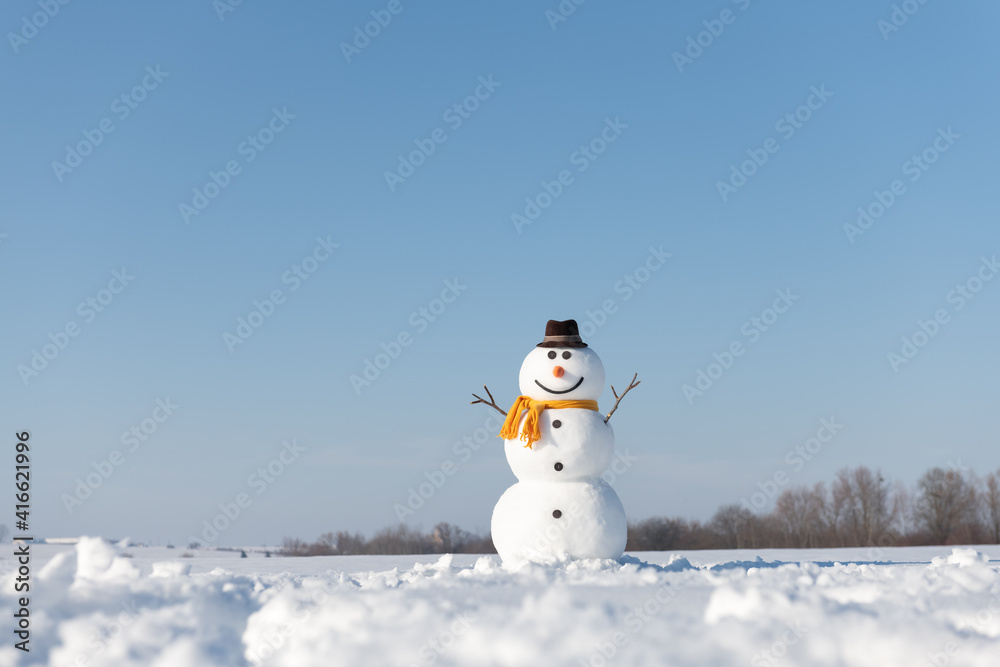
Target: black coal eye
(552, 354)
(566, 355)
(556, 514)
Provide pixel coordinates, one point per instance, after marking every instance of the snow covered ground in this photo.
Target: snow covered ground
(895, 606)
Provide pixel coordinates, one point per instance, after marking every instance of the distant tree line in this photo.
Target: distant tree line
(861, 508)
(400, 539)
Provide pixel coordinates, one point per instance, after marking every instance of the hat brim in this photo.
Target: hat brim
(553, 343)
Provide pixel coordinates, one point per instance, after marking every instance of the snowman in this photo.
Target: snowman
(558, 445)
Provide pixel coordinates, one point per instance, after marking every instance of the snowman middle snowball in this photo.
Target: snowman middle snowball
(576, 438)
(560, 507)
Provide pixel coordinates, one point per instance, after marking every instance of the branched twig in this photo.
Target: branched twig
(492, 403)
(632, 385)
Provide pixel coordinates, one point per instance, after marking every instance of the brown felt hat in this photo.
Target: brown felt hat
(562, 334)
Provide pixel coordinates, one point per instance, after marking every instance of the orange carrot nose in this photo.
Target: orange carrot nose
(558, 371)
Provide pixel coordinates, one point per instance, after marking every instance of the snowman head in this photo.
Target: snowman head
(562, 367)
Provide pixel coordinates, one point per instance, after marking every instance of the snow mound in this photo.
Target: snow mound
(967, 557)
(92, 606)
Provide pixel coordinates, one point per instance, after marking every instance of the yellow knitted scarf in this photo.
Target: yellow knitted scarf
(531, 431)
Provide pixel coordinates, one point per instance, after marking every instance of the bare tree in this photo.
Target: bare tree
(991, 506)
(326, 545)
(904, 520)
(736, 527)
(730, 524)
(348, 544)
(763, 532)
(802, 516)
(292, 546)
(656, 534)
(399, 539)
(945, 504)
(861, 506)
(448, 538)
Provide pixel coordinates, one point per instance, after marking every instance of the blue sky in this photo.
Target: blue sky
(333, 128)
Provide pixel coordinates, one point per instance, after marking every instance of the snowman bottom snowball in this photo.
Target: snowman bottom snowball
(549, 522)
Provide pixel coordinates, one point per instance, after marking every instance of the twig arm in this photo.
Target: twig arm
(492, 403)
(632, 385)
